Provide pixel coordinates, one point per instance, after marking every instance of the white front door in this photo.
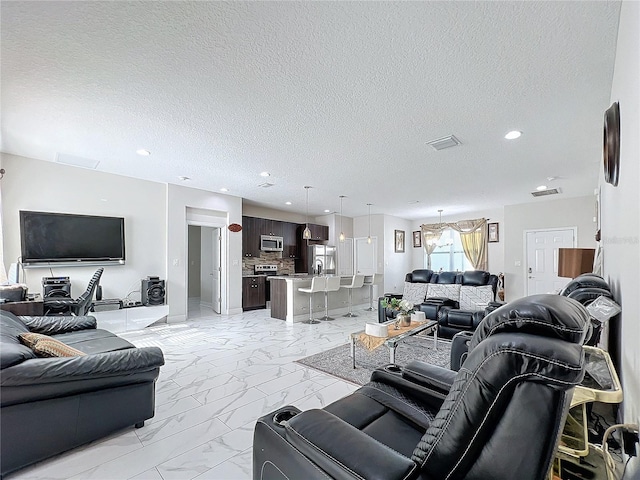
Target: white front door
(542, 259)
(365, 256)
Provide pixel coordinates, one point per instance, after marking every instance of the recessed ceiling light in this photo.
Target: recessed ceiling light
(224, 189)
(265, 174)
(513, 134)
(143, 152)
(183, 178)
(327, 211)
(541, 188)
(287, 203)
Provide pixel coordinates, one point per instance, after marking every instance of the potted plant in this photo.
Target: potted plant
(404, 309)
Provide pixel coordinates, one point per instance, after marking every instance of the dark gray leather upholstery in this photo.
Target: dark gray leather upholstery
(501, 413)
(49, 405)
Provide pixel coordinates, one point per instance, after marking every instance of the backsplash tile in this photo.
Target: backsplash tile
(285, 265)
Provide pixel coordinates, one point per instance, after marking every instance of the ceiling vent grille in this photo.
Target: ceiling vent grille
(74, 161)
(444, 142)
(266, 185)
(544, 193)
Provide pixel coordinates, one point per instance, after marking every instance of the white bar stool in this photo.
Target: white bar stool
(332, 285)
(371, 280)
(356, 282)
(317, 285)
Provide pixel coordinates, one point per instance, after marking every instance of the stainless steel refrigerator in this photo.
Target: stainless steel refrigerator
(322, 259)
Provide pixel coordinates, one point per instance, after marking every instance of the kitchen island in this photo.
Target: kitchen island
(288, 304)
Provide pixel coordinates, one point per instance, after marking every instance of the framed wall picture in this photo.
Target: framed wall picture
(417, 239)
(494, 235)
(399, 241)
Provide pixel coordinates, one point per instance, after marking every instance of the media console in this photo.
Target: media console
(131, 318)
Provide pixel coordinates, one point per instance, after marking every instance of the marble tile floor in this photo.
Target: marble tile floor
(221, 374)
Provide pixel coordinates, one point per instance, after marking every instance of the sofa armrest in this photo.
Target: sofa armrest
(54, 325)
(430, 376)
(87, 367)
(343, 451)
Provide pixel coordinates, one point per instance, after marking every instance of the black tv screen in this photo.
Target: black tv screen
(66, 238)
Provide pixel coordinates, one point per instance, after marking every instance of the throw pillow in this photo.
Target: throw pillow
(51, 347)
(414, 292)
(475, 298)
(448, 290)
(30, 339)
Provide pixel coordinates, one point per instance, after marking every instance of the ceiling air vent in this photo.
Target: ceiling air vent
(444, 142)
(544, 193)
(76, 161)
(266, 185)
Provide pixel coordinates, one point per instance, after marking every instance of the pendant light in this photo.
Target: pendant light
(369, 237)
(306, 234)
(341, 237)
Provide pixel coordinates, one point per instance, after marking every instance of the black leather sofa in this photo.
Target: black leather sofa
(451, 318)
(49, 405)
(584, 288)
(498, 418)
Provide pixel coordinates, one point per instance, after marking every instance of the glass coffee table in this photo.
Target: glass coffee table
(428, 327)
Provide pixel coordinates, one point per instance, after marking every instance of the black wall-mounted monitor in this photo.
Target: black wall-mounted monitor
(70, 239)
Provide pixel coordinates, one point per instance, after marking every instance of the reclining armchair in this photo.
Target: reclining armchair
(498, 418)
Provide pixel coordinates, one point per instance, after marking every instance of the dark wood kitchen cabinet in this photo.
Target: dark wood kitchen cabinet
(251, 228)
(271, 227)
(254, 292)
(318, 232)
(290, 240)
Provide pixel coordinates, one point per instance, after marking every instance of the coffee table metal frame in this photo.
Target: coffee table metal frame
(392, 342)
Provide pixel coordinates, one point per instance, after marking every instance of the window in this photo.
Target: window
(449, 255)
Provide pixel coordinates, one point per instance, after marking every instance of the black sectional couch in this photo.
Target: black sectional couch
(452, 318)
(49, 405)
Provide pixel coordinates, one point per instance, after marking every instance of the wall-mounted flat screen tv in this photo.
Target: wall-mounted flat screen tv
(71, 239)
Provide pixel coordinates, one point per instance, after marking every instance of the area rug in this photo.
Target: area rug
(337, 361)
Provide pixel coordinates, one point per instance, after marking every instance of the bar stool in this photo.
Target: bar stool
(332, 285)
(317, 285)
(371, 280)
(356, 282)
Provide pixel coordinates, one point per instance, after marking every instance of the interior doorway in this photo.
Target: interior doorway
(541, 249)
(204, 268)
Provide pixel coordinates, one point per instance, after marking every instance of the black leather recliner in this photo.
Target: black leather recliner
(584, 288)
(74, 306)
(499, 417)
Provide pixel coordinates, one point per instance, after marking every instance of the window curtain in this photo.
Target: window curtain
(473, 234)
(431, 233)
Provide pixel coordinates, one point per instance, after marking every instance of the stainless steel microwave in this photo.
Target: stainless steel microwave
(269, 243)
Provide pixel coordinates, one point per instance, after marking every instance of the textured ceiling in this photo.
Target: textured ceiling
(341, 96)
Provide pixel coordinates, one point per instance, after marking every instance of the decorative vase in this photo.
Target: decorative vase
(403, 320)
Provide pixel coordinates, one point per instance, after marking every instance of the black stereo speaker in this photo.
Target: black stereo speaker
(56, 287)
(152, 291)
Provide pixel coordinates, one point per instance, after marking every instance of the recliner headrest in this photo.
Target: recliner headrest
(545, 315)
(586, 280)
(445, 277)
(475, 278)
(421, 276)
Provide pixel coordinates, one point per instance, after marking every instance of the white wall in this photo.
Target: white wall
(227, 210)
(194, 259)
(621, 219)
(396, 265)
(31, 184)
(496, 249)
(570, 212)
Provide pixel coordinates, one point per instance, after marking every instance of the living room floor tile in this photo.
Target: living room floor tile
(221, 374)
